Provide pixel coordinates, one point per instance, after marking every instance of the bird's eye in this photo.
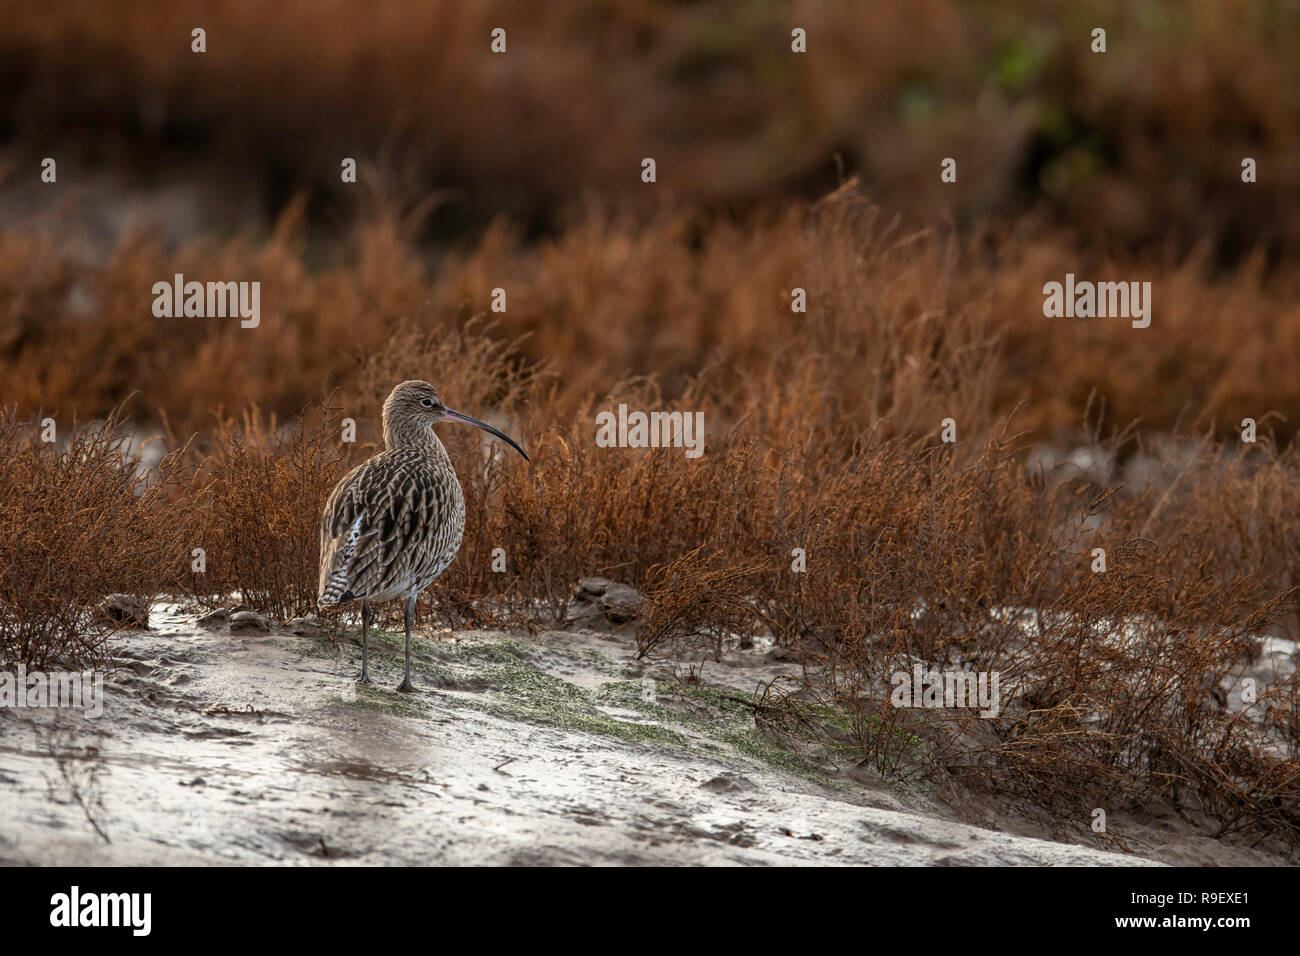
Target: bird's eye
(427, 402)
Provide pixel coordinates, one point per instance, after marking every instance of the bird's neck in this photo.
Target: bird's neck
(401, 435)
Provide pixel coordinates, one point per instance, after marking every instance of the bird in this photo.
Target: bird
(394, 523)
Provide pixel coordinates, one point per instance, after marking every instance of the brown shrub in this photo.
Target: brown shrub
(902, 330)
(256, 502)
(700, 603)
(79, 520)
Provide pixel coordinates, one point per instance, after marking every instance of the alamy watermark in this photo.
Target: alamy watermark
(651, 430)
(211, 300)
(922, 687)
(72, 690)
(130, 910)
(1102, 300)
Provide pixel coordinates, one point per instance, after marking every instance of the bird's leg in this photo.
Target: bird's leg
(405, 686)
(367, 616)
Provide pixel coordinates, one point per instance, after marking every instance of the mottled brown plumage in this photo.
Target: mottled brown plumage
(394, 523)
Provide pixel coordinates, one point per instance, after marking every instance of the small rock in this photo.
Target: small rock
(125, 610)
(214, 621)
(728, 783)
(602, 598)
(620, 603)
(593, 587)
(580, 610)
(249, 622)
(305, 627)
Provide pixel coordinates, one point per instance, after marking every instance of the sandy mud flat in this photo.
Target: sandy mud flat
(559, 748)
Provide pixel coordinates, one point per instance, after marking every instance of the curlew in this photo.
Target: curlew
(394, 523)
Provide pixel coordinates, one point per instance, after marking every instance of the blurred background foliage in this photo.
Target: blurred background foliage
(1138, 147)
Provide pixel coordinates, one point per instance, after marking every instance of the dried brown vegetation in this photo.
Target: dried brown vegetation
(256, 501)
(79, 520)
(910, 327)
(1138, 145)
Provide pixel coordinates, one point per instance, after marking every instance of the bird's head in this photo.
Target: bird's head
(414, 407)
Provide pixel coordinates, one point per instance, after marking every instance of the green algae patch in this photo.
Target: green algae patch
(382, 699)
(315, 646)
(485, 652)
(515, 680)
(524, 693)
(718, 715)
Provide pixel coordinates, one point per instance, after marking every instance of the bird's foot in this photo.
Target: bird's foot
(406, 687)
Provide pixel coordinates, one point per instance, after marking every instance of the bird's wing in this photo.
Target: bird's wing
(344, 538)
(374, 526)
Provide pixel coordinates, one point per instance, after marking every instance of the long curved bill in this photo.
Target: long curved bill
(455, 416)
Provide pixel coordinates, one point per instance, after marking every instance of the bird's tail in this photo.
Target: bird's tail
(337, 587)
(331, 599)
